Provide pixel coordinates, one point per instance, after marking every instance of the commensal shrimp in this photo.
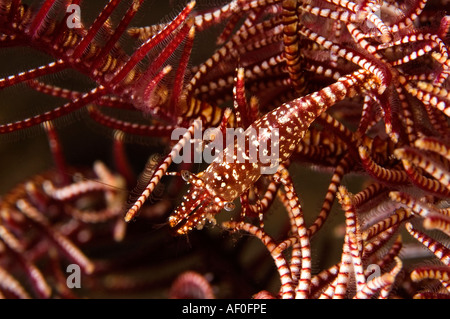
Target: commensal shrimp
(224, 180)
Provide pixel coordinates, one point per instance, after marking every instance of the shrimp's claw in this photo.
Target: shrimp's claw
(197, 206)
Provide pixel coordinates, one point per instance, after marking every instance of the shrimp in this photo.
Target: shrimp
(223, 181)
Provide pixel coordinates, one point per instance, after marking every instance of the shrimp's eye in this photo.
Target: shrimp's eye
(229, 206)
(186, 175)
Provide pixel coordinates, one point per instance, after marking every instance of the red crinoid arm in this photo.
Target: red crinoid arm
(428, 184)
(296, 255)
(390, 115)
(292, 45)
(56, 91)
(120, 159)
(375, 285)
(161, 170)
(300, 256)
(303, 287)
(388, 176)
(262, 204)
(38, 281)
(142, 181)
(370, 192)
(95, 27)
(62, 27)
(311, 148)
(191, 284)
(93, 216)
(410, 14)
(62, 290)
(240, 100)
(367, 63)
(395, 219)
(50, 68)
(10, 284)
(129, 127)
(445, 211)
(368, 116)
(178, 83)
(53, 90)
(236, 45)
(370, 248)
(57, 152)
(393, 252)
(39, 18)
(286, 290)
(325, 277)
(354, 235)
(120, 29)
(437, 119)
(338, 288)
(329, 196)
(337, 15)
(206, 19)
(417, 207)
(439, 250)
(434, 145)
(385, 291)
(437, 221)
(152, 86)
(431, 272)
(339, 129)
(74, 190)
(432, 167)
(53, 114)
(229, 28)
(407, 114)
(440, 273)
(142, 51)
(13, 10)
(145, 33)
(435, 100)
(63, 243)
(172, 46)
(263, 294)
